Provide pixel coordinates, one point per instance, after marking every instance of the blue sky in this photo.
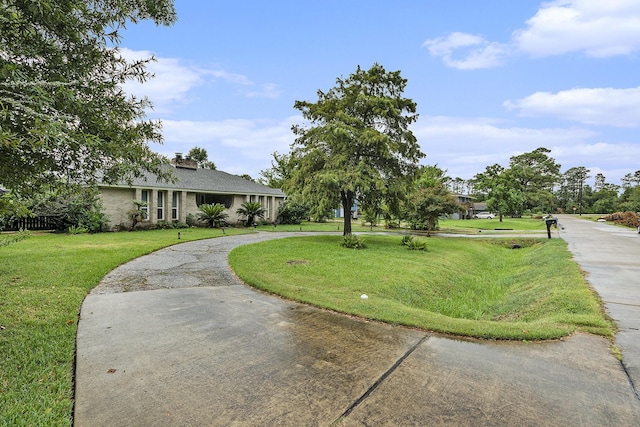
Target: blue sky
(491, 78)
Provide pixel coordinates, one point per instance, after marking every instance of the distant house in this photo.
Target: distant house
(479, 208)
(167, 201)
(466, 207)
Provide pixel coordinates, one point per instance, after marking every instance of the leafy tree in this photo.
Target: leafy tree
(600, 181)
(506, 197)
(12, 207)
(72, 207)
(292, 212)
(213, 214)
(278, 173)
(358, 142)
(427, 204)
(251, 211)
(536, 174)
(458, 185)
(632, 202)
(572, 186)
(503, 192)
(64, 117)
(247, 177)
(201, 157)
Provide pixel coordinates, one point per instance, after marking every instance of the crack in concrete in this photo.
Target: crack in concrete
(633, 386)
(379, 381)
(622, 303)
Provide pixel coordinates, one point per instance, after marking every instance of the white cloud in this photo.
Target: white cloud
(171, 82)
(600, 28)
(235, 145)
(174, 82)
(476, 51)
(466, 146)
(268, 90)
(600, 106)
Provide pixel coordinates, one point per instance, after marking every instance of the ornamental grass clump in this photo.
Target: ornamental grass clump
(413, 244)
(352, 241)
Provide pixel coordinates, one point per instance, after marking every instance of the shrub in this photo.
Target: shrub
(292, 213)
(78, 207)
(251, 211)
(406, 239)
(351, 241)
(213, 214)
(417, 245)
(77, 229)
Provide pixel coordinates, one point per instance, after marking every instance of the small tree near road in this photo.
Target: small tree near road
(427, 204)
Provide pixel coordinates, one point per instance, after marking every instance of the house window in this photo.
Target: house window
(160, 205)
(174, 205)
(145, 208)
(223, 199)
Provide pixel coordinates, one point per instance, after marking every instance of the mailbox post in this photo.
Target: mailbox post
(551, 221)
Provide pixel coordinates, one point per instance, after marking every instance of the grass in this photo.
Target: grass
(446, 225)
(331, 225)
(43, 281)
(478, 288)
(508, 224)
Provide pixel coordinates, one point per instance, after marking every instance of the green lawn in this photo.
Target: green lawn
(446, 225)
(469, 287)
(43, 281)
(507, 224)
(479, 285)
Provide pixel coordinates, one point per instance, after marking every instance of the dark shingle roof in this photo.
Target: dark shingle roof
(207, 180)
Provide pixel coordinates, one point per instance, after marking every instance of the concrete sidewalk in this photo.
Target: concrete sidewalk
(174, 339)
(611, 257)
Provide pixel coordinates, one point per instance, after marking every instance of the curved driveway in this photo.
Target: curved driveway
(175, 339)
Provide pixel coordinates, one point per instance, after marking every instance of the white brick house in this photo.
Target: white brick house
(174, 201)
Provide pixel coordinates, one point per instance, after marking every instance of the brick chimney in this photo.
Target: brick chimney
(185, 163)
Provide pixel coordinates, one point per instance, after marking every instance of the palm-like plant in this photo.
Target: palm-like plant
(213, 214)
(251, 211)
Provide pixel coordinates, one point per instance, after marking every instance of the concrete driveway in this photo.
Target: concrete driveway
(174, 339)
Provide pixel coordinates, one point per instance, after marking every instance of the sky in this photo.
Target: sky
(492, 79)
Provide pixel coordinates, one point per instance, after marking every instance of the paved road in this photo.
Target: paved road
(610, 256)
(174, 339)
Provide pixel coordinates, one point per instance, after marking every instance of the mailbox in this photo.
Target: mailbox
(551, 221)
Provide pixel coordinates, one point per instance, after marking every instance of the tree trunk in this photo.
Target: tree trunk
(347, 203)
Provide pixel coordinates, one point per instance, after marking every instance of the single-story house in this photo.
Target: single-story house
(166, 201)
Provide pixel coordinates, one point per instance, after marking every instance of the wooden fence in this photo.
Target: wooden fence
(35, 223)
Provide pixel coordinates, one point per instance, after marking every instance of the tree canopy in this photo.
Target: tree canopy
(64, 116)
(201, 157)
(536, 173)
(430, 199)
(357, 145)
